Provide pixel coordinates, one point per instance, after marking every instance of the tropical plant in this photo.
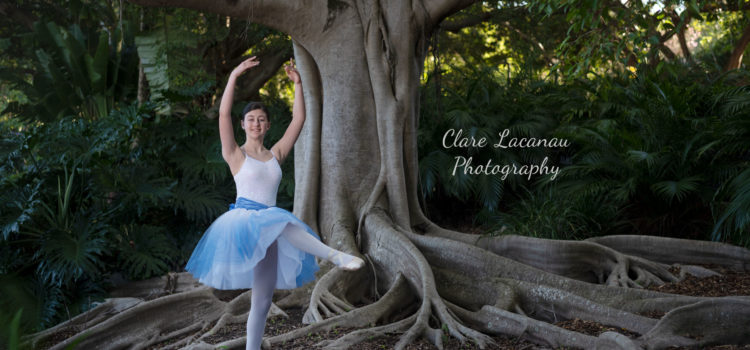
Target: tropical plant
(647, 141)
(162, 54)
(77, 72)
(548, 212)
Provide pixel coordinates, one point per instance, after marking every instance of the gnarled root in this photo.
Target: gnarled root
(398, 296)
(381, 240)
(328, 295)
(677, 250)
(178, 316)
(493, 320)
(111, 307)
(709, 322)
(626, 261)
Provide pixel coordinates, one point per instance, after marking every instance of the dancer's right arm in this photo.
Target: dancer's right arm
(229, 148)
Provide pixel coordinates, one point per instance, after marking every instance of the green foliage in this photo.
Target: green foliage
(143, 250)
(550, 212)
(603, 36)
(162, 55)
(119, 193)
(14, 326)
(652, 143)
(481, 103)
(662, 151)
(77, 72)
(93, 184)
(71, 244)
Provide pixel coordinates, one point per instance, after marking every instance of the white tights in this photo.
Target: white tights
(264, 280)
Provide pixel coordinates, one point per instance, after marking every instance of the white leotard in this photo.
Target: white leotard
(259, 181)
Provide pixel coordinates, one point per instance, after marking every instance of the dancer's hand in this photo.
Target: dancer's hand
(292, 72)
(245, 65)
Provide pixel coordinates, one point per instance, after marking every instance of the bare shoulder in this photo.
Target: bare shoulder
(234, 159)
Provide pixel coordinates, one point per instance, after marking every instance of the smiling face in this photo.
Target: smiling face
(256, 123)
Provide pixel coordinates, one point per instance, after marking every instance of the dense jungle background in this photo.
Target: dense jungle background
(111, 167)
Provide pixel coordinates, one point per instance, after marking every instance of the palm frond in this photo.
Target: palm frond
(677, 189)
(736, 217)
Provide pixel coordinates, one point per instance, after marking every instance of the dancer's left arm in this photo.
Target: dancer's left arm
(285, 144)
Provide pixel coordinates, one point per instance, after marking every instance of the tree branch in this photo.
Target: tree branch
(458, 24)
(439, 9)
(681, 35)
(736, 58)
(249, 86)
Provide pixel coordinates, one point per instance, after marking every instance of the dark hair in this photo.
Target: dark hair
(253, 106)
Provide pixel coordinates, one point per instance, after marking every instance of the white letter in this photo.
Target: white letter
(446, 134)
(500, 143)
(456, 166)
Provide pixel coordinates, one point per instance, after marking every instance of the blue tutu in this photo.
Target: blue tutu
(231, 247)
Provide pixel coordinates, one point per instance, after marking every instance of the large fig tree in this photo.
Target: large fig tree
(356, 184)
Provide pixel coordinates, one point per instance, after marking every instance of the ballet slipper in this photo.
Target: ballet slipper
(338, 258)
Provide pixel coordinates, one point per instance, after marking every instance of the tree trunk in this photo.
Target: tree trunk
(356, 184)
(142, 95)
(739, 49)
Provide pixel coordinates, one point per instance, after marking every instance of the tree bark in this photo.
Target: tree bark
(735, 59)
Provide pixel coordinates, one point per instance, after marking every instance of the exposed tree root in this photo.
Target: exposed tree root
(178, 314)
(676, 250)
(547, 296)
(328, 295)
(396, 297)
(111, 307)
(493, 320)
(437, 286)
(358, 336)
(709, 322)
(543, 304)
(416, 269)
(593, 262)
(236, 311)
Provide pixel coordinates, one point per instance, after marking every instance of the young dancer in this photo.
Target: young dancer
(255, 244)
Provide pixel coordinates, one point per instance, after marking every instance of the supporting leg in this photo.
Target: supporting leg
(264, 282)
(307, 243)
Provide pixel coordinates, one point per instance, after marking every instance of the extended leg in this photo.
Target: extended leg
(264, 282)
(306, 242)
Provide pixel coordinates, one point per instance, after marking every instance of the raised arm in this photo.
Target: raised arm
(229, 148)
(285, 144)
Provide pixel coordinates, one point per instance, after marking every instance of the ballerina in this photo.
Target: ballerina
(255, 244)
